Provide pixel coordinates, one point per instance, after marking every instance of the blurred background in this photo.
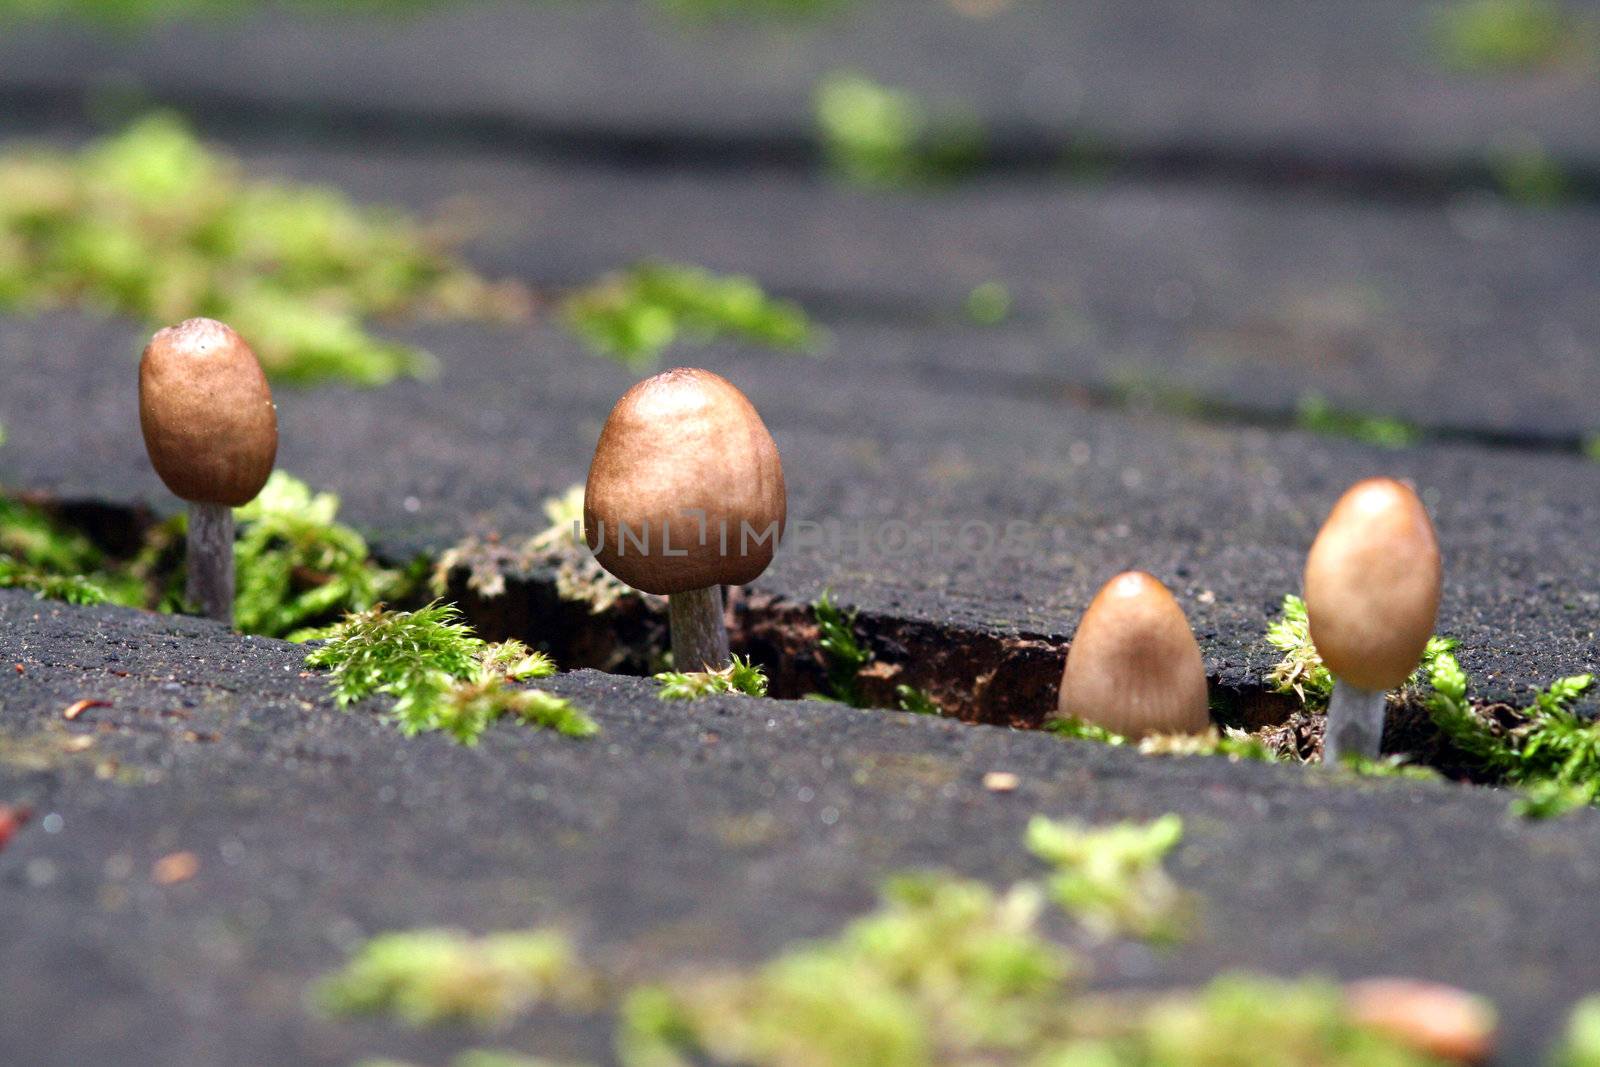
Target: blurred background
(1163, 277)
(1349, 215)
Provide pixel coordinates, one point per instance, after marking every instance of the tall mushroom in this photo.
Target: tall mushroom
(1372, 595)
(1134, 667)
(212, 434)
(686, 495)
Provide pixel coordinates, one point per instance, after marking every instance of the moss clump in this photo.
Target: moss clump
(466, 709)
(441, 675)
(635, 314)
(149, 223)
(1301, 671)
(1315, 414)
(1545, 749)
(844, 657)
(1110, 878)
(1232, 743)
(1526, 172)
(1580, 1046)
(875, 135)
(480, 1057)
(843, 654)
(298, 566)
(58, 563)
(989, 304)
(740, 676)
(944, 969)
(951, 972)
(1507, 35)
(1079, 730)
(427, 977)
(915, 701)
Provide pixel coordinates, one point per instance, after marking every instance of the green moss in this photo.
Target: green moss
(915, 701)
(1230, 743)
(440, 674)
(466, 709)
(1591, 447)
(1393, 766)
(1527, 173)
(1301, 671)
(843, 655)
(396, 652)
(948, 971)
(740, 676)
(298, 566)
(1110, 878)
(1548, 751)
(989, 304)
(494, 1058)
(1247, 1021)
(39, 553)
(1580, 1046)
(944, 970)
(150, 223)
(1505, 35)
(636, 314)
(875, 135)
(1315, 414)
(428, 977)
(1079, 730)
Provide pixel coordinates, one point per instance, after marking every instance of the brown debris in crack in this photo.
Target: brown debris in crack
(1005, 680)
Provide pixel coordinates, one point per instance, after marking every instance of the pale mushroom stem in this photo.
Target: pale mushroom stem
(1355, 722)
(699, 636)
(210, 560)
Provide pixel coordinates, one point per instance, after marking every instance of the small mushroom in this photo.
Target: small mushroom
(686, 495)
(211, 430)
(1134, 667)
(1372, 595)
(1436, 1020)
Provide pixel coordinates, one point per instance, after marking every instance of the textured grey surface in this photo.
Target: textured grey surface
(1223, 515)
(683, 834)
(1342, 89)
(1469, 316)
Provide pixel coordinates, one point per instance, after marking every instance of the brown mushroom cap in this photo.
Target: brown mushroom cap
(1437, 1020)
(207, 414)
(1134, 667)
(1372, 584)
(685, 439)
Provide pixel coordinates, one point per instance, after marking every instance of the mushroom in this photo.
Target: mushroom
(1436, 1020)
(685, 495)
(1372, 595)
(1134, 667)
(211, 430)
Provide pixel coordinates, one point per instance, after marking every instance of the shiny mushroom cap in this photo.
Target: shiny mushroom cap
(207, 414)
(1372, 584)
(685, 490)
(1134, 667)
